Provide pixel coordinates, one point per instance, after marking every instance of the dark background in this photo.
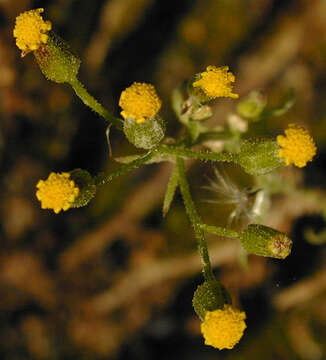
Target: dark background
(54, 268)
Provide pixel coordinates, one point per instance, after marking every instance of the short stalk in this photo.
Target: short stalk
(90, 101)
(220, 231)
(195, 220)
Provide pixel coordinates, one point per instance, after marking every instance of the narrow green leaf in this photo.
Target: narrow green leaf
(155, 159)
(170, 191)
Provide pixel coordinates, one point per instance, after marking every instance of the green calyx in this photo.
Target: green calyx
(145, 135)
(56, 60)
(196, 93)
(87, 188)
(209, 296)
(264, 241)
(260, 156)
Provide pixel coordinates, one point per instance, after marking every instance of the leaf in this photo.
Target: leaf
(170, 191)
(281, 109)
(157, 158)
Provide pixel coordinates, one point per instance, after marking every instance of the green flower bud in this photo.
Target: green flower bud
(202, 113)
(264, 241)
(252, 106)
(56, 60)
(144, 135)
(209, 296)
(260, 156)
(87, 188)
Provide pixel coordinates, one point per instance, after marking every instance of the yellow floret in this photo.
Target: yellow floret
(223, 328)
(57, 192)
(31, 30)
(216, 82)
(297, 146)
(140, 102)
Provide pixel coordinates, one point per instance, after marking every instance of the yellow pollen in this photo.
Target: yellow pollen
(31, 30)
(297, 146)
(140, 102)
(216, 82)
(57, 192)
(223, 328)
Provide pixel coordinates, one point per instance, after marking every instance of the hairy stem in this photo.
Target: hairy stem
(185, 153)
(90, 101)
(195, 220)
(104, 178)
(220, 231)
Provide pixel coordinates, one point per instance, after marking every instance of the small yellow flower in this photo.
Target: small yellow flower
(31, 30)
(223, 328)
(57, 192)
(216, 82)
(140, 102)
(297, 146)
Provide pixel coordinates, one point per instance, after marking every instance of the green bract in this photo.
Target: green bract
(144, 135)
(87, 188)
(209, 296)
(56, 60)
(260, 156)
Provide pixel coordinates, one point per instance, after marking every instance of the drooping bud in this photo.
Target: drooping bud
(209, 296)
(56, 60)
(264, 241)
(260, 156)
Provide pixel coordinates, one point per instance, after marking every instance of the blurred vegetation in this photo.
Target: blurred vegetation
(114, 279)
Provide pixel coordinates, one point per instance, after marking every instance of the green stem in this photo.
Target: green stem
(104, 178)
(220, 231)
(185, 153)
(90, 101)
(195, 220)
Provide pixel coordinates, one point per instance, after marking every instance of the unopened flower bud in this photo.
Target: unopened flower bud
(260, 156)
(209, 296)
(252, 106)
(264, 241)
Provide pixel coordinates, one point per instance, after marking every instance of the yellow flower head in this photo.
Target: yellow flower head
(223, 328)
(57, 192)
(31, 30)
(139, 101)
(216, 82)
(297, 146)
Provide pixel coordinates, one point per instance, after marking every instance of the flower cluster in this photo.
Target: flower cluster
(297, 146)
(216, 82)
(223, 328)
(139, 102)
(222, 325)
(57, 192)
(31, 30)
